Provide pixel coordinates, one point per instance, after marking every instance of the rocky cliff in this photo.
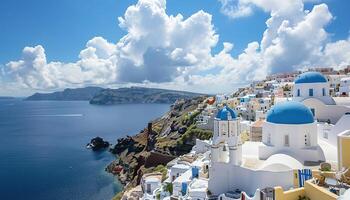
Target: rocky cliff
(139, 95)
(162, 140)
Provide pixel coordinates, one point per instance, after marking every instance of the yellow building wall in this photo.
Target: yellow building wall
(310, 190)
(288, 195)
(344, 148)
(295, 178)
(315, 192)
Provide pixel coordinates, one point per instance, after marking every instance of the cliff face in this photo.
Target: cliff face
(139, 95)
(162, 140)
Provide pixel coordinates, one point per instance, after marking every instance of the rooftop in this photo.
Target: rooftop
(226, 113)
(310, 77)
(290, 112)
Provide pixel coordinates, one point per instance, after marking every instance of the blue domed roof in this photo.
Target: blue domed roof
(226, 113)
(290, 112)
(310, 77)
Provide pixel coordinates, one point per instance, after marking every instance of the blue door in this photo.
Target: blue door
(184, 188)
(304, 175)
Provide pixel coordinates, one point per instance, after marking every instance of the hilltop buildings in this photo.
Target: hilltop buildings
(312, 89)
(272, 147)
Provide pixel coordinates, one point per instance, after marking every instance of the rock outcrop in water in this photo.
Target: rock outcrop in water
(97, 144)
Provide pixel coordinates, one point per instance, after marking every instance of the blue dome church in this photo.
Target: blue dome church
(290, 128)
(312, 89)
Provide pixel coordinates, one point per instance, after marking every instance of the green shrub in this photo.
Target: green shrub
(169, 188)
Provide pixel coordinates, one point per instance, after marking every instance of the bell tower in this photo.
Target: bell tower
(226, 146)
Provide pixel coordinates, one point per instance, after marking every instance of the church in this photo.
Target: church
(289, 143)
(312, 89)
(290, 128)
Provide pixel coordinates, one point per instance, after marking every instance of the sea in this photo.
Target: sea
(43, 153)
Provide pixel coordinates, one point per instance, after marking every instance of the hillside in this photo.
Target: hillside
(78, 94)
(162, 140)
(139, 95)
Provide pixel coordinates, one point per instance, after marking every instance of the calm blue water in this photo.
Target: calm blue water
(42, 147)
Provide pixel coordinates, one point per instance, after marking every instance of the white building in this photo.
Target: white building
(344, 88)
(290, 142)
(312, 89)
(229, 171)
(149, 184)
(226, 137)
(290, 129)
(177, 170)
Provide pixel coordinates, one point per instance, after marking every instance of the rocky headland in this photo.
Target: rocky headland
(164, 139)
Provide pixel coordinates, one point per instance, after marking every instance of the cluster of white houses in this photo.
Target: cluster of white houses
(298, 133)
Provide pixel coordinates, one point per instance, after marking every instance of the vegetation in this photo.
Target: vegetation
(162, 169)
(193, 132)
(169, 188)
(158, 196)
(139, 95)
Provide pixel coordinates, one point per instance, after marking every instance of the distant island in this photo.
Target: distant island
(140, 95)
(101, 96)
(78, 94)
(5, 97)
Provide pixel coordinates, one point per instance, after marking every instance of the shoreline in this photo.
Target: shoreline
(165, 138)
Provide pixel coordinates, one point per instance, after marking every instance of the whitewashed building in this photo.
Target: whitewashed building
(344, 88)
(312, 89)
(290, 128)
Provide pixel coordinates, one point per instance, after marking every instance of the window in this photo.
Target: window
(298, 92)
(311, 92)
(223, 129)
(286, 140)
(148, 188)
(269, 138)
(323, 92)
(325, 133)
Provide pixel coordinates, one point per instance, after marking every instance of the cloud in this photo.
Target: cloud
(157, 48)
(161, 50)
(243, 8)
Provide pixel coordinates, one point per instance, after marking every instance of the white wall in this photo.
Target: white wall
(305, 154)
(342, 125)
(201, 146)
(295, 132)
(324, 112)
(224, 177)
(304, 89)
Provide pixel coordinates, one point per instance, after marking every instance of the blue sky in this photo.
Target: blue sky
(64, 27)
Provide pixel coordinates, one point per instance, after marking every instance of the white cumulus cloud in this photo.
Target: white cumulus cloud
(162, 50)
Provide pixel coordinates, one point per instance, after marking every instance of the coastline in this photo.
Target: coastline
(171, 135)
